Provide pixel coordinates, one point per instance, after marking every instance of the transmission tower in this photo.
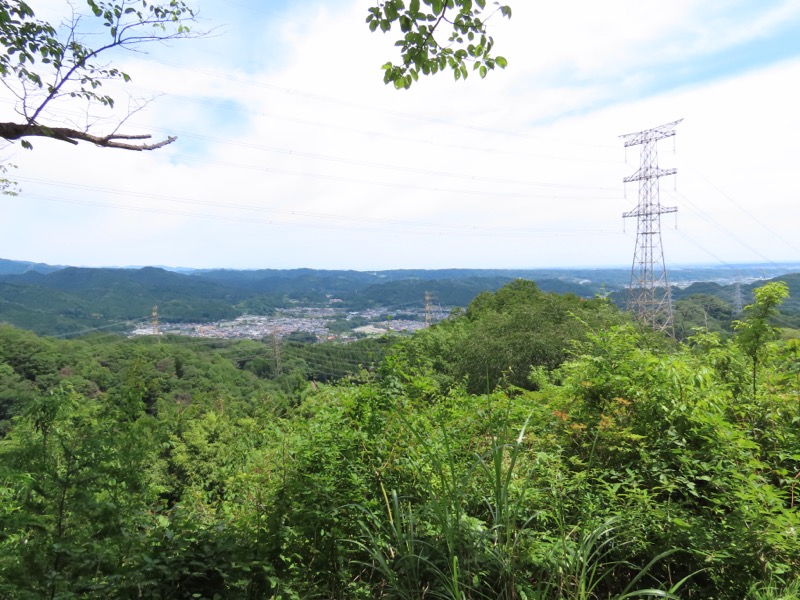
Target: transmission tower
(648, 294)
(155, 320)
(738, 300)
(429, 300)
(276, 349)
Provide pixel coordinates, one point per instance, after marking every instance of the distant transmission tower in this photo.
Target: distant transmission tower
(429, 300)
(738, 300)
(155, 320)
(649, 295)
(276, 349)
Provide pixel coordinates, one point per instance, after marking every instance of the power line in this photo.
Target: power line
(376, 165)
(400, 186)
(372, 133)
(440, 229)
(127, 323)
(749, 214)
(707, 251)
(339, 364)
(391, 167)
(249, 81)
(721, 228)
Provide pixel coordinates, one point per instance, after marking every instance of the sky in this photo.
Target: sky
(291, 151)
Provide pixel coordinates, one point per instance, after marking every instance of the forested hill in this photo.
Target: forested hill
(71, 299)
(56, 300)
(11, 267)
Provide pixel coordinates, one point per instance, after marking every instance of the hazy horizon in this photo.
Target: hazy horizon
(177, 268)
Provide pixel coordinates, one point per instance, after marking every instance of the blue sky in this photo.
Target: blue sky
(292, 153)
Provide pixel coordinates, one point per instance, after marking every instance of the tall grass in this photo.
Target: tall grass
(437, 549)
(397, 554)
(775, 591)
(583, 566)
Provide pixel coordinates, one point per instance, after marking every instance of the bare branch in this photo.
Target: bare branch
(16, 131)
(140, 104)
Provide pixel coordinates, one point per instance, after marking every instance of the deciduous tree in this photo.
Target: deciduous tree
(41, 64)
(756, 329)
(438, 35)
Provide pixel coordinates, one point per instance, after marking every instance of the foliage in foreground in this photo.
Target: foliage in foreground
(631, 469)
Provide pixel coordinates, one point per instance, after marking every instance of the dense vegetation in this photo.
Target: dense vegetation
(535, 446)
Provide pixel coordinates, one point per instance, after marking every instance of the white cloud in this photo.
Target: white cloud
(309, 160)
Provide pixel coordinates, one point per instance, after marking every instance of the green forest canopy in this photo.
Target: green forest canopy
(620, 462)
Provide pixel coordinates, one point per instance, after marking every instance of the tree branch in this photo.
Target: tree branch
(50, 64)
(16, 131)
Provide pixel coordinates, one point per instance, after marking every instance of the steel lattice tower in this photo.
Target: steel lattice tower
(738, 301)
(648, 294)
(428, 319)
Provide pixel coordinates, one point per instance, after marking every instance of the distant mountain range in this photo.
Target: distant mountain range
(15, 267)
(59, 300)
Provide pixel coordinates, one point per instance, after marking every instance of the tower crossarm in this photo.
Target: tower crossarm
(639, 211)
(649, 135)
(649, 173)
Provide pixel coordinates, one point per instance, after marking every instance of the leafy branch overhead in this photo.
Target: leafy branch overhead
(41, 64)
(437, 35)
